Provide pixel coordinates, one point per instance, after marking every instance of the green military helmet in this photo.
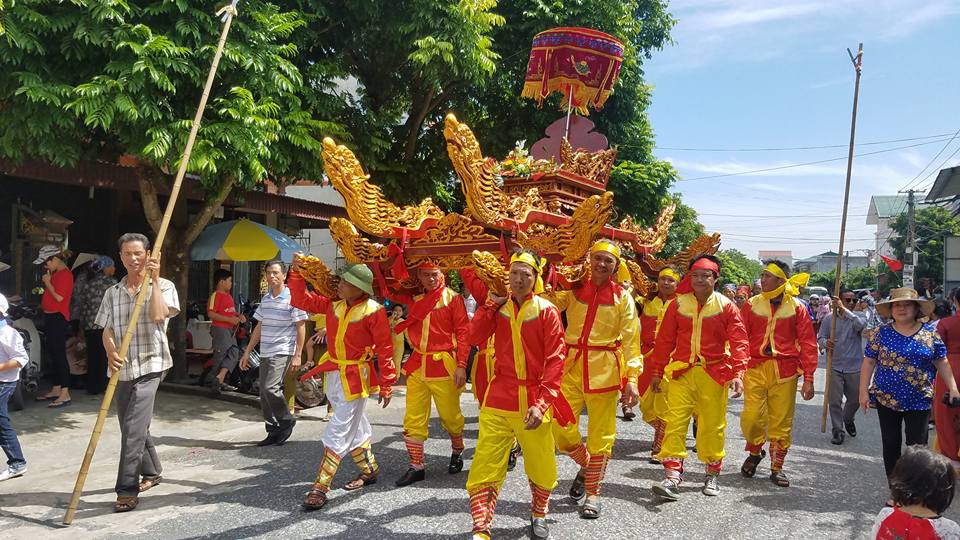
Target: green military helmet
(358, 275)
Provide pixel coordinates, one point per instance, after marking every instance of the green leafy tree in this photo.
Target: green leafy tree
(737, 268)
(105, 79)
(933, 224)
(856, 278)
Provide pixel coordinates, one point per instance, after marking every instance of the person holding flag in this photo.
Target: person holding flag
(782, 346)
(702, 349)
(436, 327)
(653, 405)
(523, 397)
(601, 319)
(357, 329)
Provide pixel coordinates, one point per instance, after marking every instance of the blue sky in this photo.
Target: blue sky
(775, 74)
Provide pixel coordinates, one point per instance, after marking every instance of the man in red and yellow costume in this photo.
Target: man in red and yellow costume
(357, 328)
(601, 318)
(523, 397)
(436, 327)
(653, 405)
(702, 349)
(782, 346)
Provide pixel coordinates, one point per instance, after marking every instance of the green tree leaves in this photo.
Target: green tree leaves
(933, 224)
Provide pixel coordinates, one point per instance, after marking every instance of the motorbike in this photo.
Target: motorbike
(247, 381)
(22, 318)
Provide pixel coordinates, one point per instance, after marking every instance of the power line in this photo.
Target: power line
(822, 147)
(795, 165)
(780, 217)
(934, 158)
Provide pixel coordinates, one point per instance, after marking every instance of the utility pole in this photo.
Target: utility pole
(911, 247)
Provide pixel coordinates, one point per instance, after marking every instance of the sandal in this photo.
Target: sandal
(46, 398)
(749, 467)
(58, 404)
(149, 482)
(125, 503)
(780, 479)
(577, 490)
(590, 510)
(360, 482)
(315, 500)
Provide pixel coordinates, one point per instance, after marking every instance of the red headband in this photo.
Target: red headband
(427, 266)
(685, 285)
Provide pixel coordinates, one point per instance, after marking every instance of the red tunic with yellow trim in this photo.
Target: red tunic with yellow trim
(354, 333)
(482, 368)
(711, 335)
(600, 322)
(785, 336)
(529, 354)
(446, 329)
(651, 315)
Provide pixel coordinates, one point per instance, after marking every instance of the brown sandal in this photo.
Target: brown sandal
(125, 503)
(360, 482)
(316, 499)
(780, 479)
(149, 482)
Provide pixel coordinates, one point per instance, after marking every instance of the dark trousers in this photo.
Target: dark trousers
(8, 436)
(276, 410)
(55, 329)
(96, 362)
(138, 456)
(894, 425)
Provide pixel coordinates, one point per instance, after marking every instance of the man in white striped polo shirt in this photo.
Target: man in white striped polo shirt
(281, 333)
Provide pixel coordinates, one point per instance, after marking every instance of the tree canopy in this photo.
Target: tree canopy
(737, 268)
(933, 224)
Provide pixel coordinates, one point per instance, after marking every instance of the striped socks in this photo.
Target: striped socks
(456, 443)
(778, 453)
(540, 500)
(483, 502)
(595, 472)
(673, 467)
(415, 449)
(363, 458)
(327, 470)
(659, 430)
(714, 467)
(580, 456)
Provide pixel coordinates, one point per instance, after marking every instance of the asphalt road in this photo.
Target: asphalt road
(218, 485)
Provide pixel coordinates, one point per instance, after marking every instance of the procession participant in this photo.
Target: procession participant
(653, 405)
(702, 349)
(357, 328)
(482, 368)
(523, 397)
(782, 346)
(148, 359)
(601, 318)
(436, 327)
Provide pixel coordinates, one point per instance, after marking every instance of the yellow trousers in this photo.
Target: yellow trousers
(445, 395)
(496, 438)
(695, 392)
(653, 405)
(601, 416)
(768, 406)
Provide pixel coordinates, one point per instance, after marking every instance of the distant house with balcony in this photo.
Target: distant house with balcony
(785, 256)
(827, 261)
(883, 209)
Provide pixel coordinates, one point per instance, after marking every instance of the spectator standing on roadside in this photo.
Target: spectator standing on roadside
(148, 359)
(88, 295)
(281, 334)
(13, 356)
(223, 313)
(57, 291)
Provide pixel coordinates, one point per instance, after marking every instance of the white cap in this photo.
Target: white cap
(46, 252)
(4, 305)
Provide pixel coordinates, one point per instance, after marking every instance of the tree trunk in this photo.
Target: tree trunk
(177, 262)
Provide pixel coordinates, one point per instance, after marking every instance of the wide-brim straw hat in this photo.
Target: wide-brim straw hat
(904, 294)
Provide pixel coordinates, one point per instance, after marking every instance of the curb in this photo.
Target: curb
(194, 390)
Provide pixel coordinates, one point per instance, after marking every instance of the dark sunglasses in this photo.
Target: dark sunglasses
(849, 300)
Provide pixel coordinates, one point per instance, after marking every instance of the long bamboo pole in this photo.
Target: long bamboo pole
(857, 63)
(229, 12)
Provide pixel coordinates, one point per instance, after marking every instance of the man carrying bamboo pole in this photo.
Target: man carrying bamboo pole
(145, 364)
(782, 346)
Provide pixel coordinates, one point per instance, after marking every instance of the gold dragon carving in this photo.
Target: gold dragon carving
(491, 271)
(593, 165)
(655, 236)
(572, 239)
(318, 275)
(367, 207)
(453, 229)
(356, 248)
(706, 244)
(485, 200)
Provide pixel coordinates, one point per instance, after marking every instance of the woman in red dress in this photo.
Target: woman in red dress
(946, 418)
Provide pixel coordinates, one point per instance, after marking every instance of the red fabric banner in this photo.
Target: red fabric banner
(894, 264)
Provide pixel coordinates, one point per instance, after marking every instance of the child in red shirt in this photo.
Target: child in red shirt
(921, 489)
(225, 319)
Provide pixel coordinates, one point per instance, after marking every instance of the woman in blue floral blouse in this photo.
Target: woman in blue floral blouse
(907, 355)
